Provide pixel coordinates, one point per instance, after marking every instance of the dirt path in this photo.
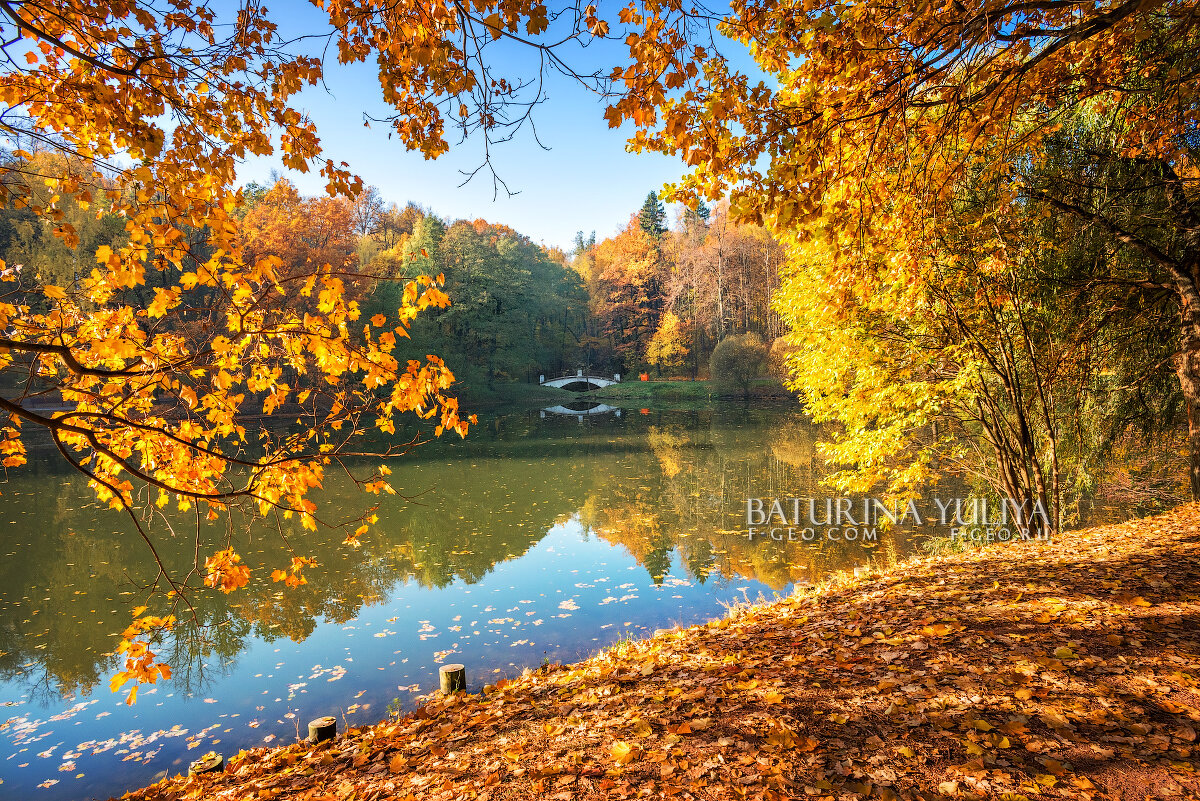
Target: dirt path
(1031, 670)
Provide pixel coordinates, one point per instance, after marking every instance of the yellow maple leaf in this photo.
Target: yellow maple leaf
(624, 753)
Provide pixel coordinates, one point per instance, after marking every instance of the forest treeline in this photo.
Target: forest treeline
(1048, 359)
(655, 297)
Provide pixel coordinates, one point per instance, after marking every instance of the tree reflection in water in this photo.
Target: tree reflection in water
(656, 485)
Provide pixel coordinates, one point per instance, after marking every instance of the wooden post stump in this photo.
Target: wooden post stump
(453, 677)
(212, 762)
(322, 729)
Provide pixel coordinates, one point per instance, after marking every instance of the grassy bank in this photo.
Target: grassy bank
(472, 395)
(693, 392)
(1031, 670)
(664, 393)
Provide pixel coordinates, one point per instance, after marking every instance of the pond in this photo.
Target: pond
(545, 535)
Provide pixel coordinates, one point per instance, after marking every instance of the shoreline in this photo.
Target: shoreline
(1039, 670)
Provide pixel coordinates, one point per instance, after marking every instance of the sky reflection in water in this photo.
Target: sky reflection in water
(537, 538)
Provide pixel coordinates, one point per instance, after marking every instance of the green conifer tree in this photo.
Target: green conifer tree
(653, 217)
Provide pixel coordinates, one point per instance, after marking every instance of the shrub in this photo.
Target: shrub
(737, 360)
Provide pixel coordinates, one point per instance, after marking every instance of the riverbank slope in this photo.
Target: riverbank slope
(1064, 670)
(703, 392)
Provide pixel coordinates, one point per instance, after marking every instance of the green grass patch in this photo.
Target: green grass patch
(652, 391)
(650, 394)
(701, 392)
(516, 393)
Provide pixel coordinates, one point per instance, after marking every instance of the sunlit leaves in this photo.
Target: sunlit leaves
(623, 753)
(140, 665)
(669, 345)
(189, 319)
(294, 576)
(226, 571)
(874, 121)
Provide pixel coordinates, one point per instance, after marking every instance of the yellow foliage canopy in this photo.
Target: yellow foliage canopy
(165, 341)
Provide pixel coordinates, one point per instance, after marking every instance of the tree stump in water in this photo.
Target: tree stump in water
(453, 677)
(322, 729)
(212, 762)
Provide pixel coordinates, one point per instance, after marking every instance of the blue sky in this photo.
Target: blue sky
(586, 181)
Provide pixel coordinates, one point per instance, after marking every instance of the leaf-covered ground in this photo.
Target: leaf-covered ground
(1032, 670)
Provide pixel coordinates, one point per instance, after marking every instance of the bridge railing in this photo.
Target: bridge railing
(615, 377)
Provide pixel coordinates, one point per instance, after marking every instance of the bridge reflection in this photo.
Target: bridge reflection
(582, 409)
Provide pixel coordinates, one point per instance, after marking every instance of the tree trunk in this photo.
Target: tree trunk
(1193, 448)
(1187, 368)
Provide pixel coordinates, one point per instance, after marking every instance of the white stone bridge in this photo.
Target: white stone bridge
(587, 382)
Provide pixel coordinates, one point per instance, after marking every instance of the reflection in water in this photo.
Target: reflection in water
(655, 486)
(543, 537)
(696, 503)
(581, 407)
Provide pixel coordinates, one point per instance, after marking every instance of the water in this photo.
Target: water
(543, 536)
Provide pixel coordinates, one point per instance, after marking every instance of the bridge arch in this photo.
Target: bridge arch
(586, 383)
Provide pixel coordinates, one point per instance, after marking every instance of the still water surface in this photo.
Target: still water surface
(537, 538)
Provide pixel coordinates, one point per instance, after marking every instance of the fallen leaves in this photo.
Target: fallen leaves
(797, 699)
(623, 753)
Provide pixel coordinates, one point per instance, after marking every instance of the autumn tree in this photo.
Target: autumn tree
(175, 329)
(396, 223)
(879, 117)
(737, 360)
(626, 292)
(29, 239)
(594, 335)
(367, 211)
(778, 354)
(298, 230)
(1036, 345)
(720, 278)
(666, 302)
(669, 346)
